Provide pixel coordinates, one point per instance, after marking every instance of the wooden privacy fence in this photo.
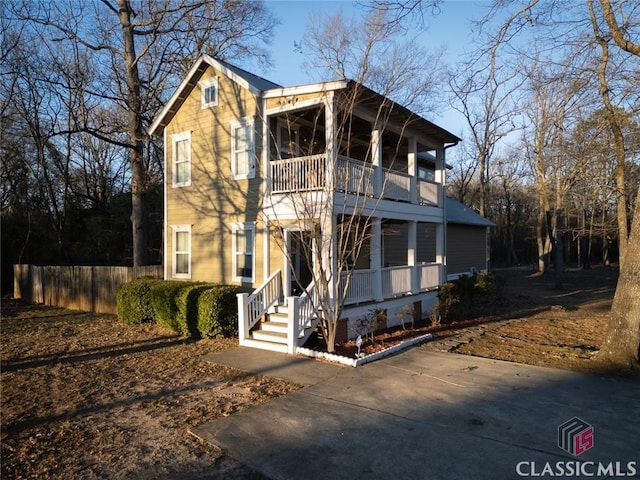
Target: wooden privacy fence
(92, 289)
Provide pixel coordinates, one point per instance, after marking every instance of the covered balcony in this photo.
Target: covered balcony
(310, 151)
(351, 176)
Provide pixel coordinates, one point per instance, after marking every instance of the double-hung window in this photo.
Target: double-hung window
(181, 159)
(209, 89)
(243, 149)
(244, 252)
(181, 251)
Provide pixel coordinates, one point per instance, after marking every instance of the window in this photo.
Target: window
(209, 91)
(242, 149)
(182, 159)
(182, 251)
(243, 252)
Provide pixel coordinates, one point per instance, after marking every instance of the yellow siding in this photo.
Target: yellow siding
(214, 200)
(291, 100)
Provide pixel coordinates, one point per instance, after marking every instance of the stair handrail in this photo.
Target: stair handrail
(252, 307)
(306, 306)
(302, 311)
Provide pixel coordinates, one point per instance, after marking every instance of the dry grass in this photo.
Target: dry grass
(84, 396)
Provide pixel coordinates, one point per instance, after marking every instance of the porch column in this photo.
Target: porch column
(376, 158)
(375, 262)
(412, 254)
(412, 168)
(330, 142)
(286, 275)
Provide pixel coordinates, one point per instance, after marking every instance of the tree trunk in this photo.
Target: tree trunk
(136, 136)
(622, 340)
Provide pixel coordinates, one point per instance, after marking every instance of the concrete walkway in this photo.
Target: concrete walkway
(427, 415)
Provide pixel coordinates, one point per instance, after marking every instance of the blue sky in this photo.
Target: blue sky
(451, 27)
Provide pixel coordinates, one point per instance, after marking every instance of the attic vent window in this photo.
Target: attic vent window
(209, 93)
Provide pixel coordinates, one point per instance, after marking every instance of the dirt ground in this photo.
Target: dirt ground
(84, 396)
(537, 324)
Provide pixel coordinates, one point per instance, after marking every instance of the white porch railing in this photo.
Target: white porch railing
(360, 287)
(252, 307)
(428, 192)
(396, 185)
(430, 275)
(396, 280)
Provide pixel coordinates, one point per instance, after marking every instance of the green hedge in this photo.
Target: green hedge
(218, 311)
(134, 301)
(187, 301)
(163, 299)
(192, 309)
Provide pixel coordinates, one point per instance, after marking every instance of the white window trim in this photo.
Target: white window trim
(236, 227)
(251, 168)
(180, 229)
(212, 82)
(178, 137)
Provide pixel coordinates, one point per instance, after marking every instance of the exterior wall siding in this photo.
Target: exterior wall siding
(466, 248)
(214, 200)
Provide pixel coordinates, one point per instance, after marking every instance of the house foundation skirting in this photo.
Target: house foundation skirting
(395, 309)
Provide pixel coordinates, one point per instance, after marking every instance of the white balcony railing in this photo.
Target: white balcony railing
(396, 185)
(298, 174)
(352, 176)
(428, 192)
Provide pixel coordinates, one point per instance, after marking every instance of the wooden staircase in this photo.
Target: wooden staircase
(265, 322)
(272, 332)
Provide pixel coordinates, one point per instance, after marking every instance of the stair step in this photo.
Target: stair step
(274, 347)
(273, 337)
(274, 309)
(274, 326)
(278, 317)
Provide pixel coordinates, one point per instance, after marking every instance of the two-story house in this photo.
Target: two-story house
(280, 189)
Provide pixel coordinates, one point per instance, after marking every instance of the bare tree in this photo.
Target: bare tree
(485, 93)
(616, 130)
(336, 210)
(622, 339)
(156, 41)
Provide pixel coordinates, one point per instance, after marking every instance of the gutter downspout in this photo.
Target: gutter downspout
(444, 208)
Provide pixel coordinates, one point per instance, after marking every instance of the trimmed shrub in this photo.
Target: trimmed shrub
(218, 311)
(187, 304)
(163, 300)
(134, 301)
(483, 283)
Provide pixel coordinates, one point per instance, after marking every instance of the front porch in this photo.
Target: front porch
(269, 319)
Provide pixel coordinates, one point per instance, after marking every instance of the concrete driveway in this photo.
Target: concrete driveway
(428, 415)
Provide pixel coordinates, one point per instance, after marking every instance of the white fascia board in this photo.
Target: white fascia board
(230, 74)
(176, 95)
(303, 89)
